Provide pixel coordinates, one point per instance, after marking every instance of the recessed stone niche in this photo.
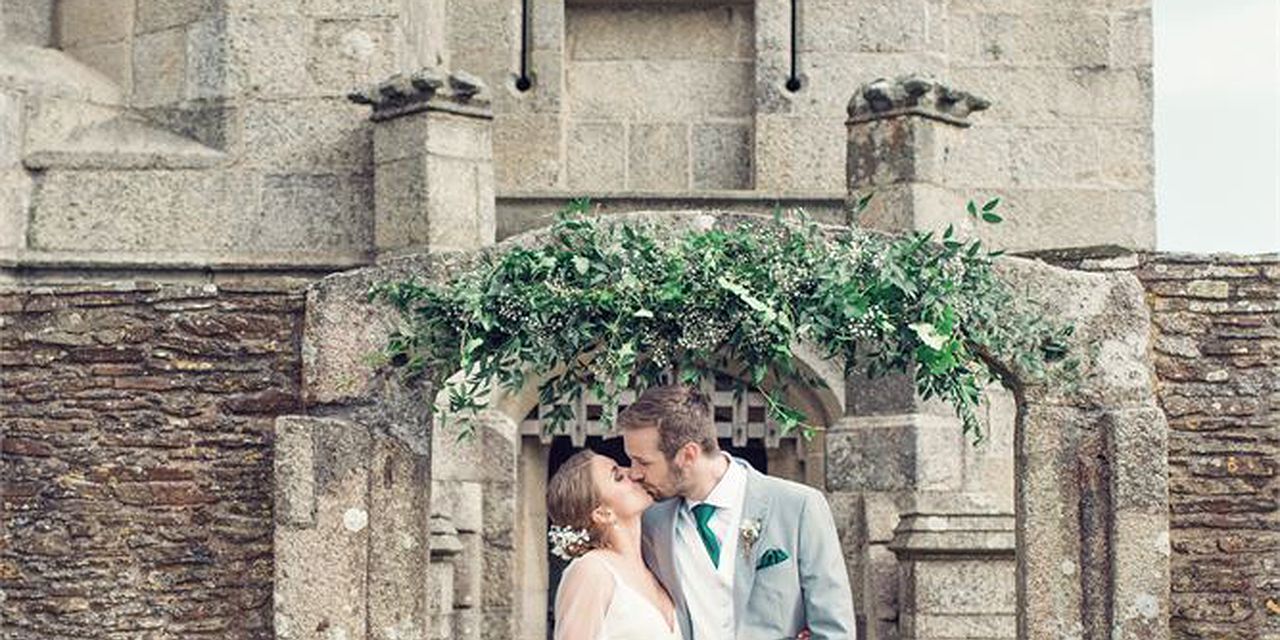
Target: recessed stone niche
(659, 95)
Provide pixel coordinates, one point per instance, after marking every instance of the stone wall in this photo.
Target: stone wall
(27, 21)
(1217, 355)
(137, 457)
(1067, 143)
(659, 97)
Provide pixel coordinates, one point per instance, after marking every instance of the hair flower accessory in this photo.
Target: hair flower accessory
(568, 543)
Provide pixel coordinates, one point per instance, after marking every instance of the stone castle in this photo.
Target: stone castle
(196, 194)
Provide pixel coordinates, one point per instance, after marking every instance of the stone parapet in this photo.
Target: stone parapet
(433, 163)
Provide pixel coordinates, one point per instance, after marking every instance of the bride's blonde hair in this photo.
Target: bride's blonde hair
(571, 499)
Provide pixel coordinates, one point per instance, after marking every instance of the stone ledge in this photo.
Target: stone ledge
(50, 73)
(954, 535)
(740, 195)
(165, 261)
(520, 212)
(124, 143)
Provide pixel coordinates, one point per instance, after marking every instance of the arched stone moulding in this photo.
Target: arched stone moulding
(1091, 470)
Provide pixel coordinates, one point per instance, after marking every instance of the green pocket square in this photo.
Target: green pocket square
(770, 558)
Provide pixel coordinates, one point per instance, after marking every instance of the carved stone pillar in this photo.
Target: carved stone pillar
(433, 163)
(892, 448)
(957, 574)
(900, 134)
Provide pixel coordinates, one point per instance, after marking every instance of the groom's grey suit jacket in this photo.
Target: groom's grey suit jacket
(810, 588)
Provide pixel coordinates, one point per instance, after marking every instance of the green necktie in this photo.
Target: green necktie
(702, 513)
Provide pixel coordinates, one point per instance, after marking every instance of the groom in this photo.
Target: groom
(743, 555)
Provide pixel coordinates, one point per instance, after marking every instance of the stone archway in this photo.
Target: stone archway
(532, 580)
(1090, 475)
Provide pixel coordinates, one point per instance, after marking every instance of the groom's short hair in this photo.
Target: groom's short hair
(680, 412)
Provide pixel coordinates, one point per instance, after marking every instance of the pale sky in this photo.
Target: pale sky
(1217, 125)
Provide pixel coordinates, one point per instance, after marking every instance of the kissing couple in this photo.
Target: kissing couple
(727, 552)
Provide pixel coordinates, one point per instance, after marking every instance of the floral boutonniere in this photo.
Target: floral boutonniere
(750, 533)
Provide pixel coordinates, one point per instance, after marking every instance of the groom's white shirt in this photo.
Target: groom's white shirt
(708, 591)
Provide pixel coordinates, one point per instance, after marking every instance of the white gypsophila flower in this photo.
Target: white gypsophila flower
(568, 543)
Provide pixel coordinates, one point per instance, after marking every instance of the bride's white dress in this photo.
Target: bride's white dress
(629, 614)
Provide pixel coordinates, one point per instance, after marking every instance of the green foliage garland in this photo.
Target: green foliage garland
(606, 306)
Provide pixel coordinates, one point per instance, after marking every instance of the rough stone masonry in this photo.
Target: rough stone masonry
(136, 451)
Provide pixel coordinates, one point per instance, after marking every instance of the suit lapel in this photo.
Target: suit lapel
(755, 506)
(667, 561)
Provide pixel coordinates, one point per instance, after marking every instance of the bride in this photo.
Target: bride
(606, 593)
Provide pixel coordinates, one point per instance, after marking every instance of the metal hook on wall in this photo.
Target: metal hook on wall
(793, 81)
(524, 81)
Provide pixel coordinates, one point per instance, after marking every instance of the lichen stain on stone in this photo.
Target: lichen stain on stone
(355, 519)
(1147, 605)
(357, 45)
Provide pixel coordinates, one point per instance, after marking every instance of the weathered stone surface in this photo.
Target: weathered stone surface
(338, 363)
(399, 540)
(687, 90)
(157, 15)
(29, 22)
(121, 143)
(15, 195)
(966, 587)
(305, 135)
(600, 159)
(87, 22)
(260, 56)
(1060, 38)
(123, 448)
(659, 157)
(891, 453)
(799, 154)
(526, 152)
(722, 156)
(304, 212)
(159, 67)
(880, 27)
(1048, 521)
(912, 95)
(333, 594)
(112, 59)
(98, 210)
(295, 498)
(659, 32)
(1222, 477)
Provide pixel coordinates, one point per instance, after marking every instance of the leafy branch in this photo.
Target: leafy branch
(607, 306)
